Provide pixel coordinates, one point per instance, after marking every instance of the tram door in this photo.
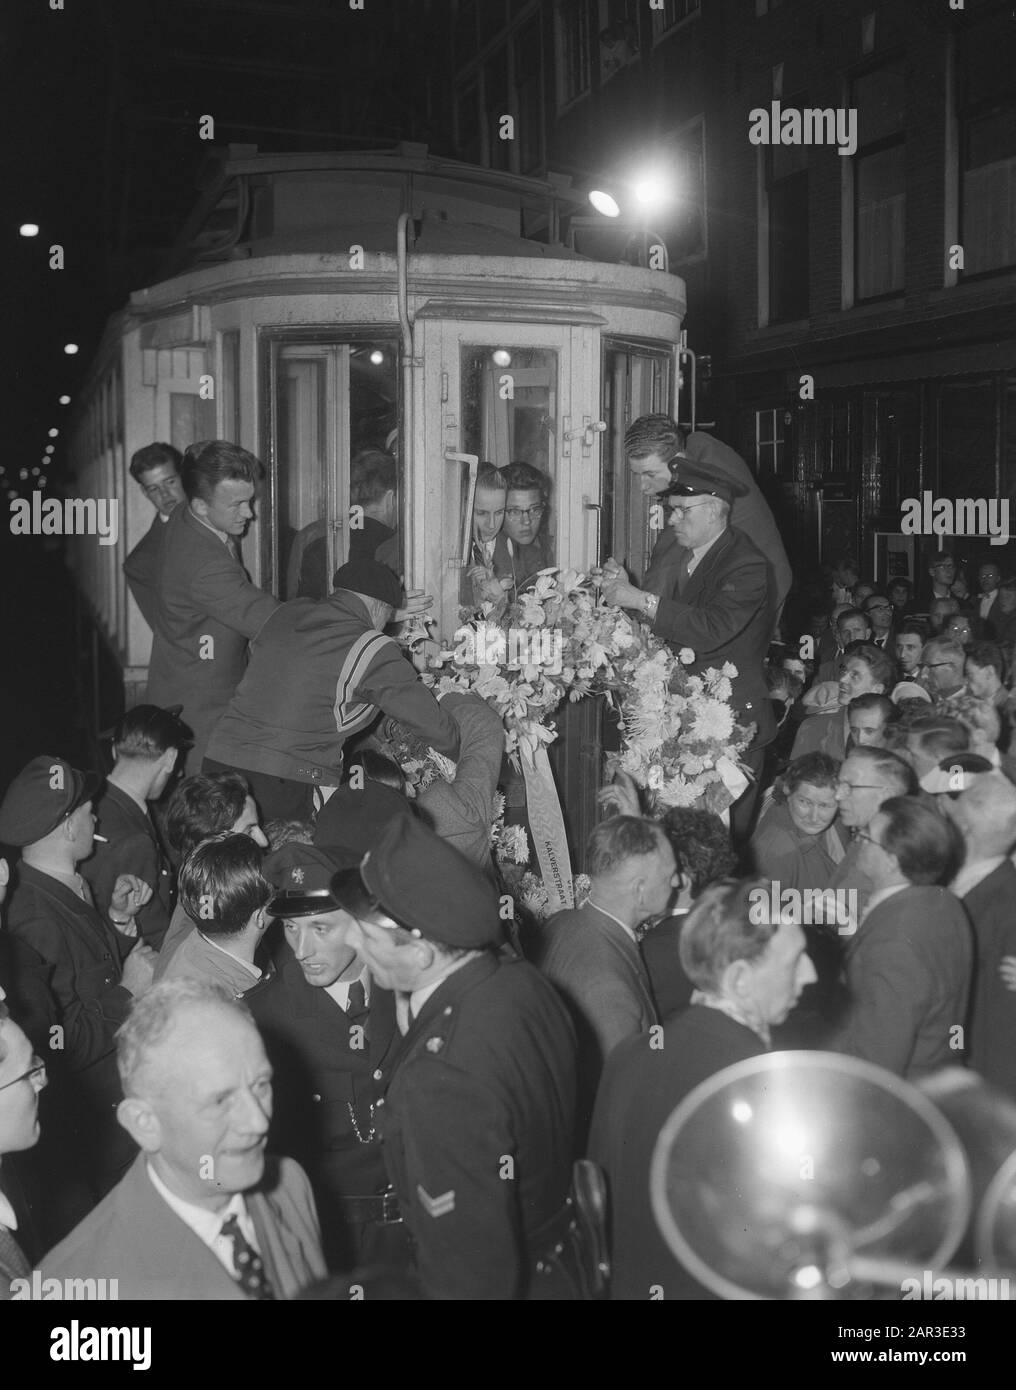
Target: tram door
(636, 381)
(327, 400)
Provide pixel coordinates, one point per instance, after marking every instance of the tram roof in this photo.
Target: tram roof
(255, 204)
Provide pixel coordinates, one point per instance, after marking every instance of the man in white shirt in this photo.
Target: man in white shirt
(988, 579)
(202, 1213)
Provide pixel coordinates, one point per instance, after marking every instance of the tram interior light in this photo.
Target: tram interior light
(377, 357)
(53, 434)
(23, 473)
(604, 203)
(50, 448)
(36, 472)
(65, 400)
(29, 229)
(70, 349)
(501, 357)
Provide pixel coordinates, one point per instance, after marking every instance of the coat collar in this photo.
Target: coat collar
(310, 1001)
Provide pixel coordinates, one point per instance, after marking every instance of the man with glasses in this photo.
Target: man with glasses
(156, 470)
(941, 576)
(868, 777)
(523, 547)
(942, 665)
(22, 1077)
(879, 612)
(908, 966)
(720, 605)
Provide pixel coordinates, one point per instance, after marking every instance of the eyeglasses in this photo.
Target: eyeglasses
(38, 1068)
(860, 835)
(842, 786)
(517, 513)
(679, 511)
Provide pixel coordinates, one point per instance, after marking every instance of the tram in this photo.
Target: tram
(319, 303)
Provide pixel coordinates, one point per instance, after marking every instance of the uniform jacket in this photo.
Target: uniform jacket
(726, 614)
(477, 1126)
(992, 1032)
(601, 976)
(750, 514)
(325, 1061)
(318, 674)
(202, 593)
(133, 848)
(142, 568)
(134, 1237)
(641, 1088)
(908, 970)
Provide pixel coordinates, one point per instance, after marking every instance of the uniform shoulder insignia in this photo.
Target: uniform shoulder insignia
(436, 1206)
(435, 1044)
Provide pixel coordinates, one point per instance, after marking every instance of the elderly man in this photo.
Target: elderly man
(932, 738)
(156, 470)
(225, 895)
(328, 1027)
(320, 670)
(868, 777)
(749, 968)
(22, 1077)
(147, 742)
(720, 606)
(590, 953)
(202, 1214)
(89, 961)
(480, 1097)
(982, 805)
(205, 608)
(658, 453)
(908, 967)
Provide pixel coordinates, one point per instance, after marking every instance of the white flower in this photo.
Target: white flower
(686, 656)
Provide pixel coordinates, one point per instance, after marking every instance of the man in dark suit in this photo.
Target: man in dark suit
(590, 953)
(147, 742)
(908, 966)
(720, 606)
(480, 1096)
(982, 805)
(202, 1213)
(879, 612)
(328, 1028)
(205, 607)
(156, 470)
(749, 969)
(22, 1077)
(659, 452)
(86, 962)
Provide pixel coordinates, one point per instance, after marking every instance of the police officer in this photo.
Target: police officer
(479, 1108)
(327, 1028)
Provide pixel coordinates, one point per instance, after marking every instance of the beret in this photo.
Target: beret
(354, 818)
(301, 875)
(429, 887)
(42, 795)
(372, 578)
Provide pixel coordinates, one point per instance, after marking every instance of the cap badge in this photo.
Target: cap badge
(435, 1044)
(297, 875)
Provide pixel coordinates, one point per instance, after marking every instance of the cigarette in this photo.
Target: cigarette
(101, 839)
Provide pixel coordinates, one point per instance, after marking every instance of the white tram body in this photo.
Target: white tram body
(322, 302)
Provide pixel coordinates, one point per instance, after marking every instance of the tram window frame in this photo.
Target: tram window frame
(622, 531)
(335, 481)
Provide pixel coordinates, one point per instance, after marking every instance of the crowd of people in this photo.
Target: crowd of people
(272, 1027)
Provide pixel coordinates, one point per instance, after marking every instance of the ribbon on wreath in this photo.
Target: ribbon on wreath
(546, 826)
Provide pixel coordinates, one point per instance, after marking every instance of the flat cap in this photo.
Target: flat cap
(372, 578)
(42, 795)
(694, 481)
(429, 887)
(354, 818)
(301, 875)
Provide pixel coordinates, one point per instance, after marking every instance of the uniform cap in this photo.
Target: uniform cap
(301, 875)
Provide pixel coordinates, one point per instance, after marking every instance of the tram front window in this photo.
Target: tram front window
(509, 408)
(335, 416)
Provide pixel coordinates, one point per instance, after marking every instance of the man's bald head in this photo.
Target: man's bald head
(985, 815)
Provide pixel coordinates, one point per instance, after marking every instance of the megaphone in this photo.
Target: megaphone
(809, 1175)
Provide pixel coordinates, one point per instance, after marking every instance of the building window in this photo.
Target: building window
(528, 83)
(573, 52)
(619, 35)
(770, 442)
(673, 12)
(986, 106)
(879, 183)
(789, 242)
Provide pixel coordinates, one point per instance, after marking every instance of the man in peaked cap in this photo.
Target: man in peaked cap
(92, 963)
(327, 1028)
(320, 669)
(479, 1108)
(720, 605)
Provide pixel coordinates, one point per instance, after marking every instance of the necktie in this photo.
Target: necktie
(250, 1271)
(233, 546)
(356, 1003)
(403, 1013)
